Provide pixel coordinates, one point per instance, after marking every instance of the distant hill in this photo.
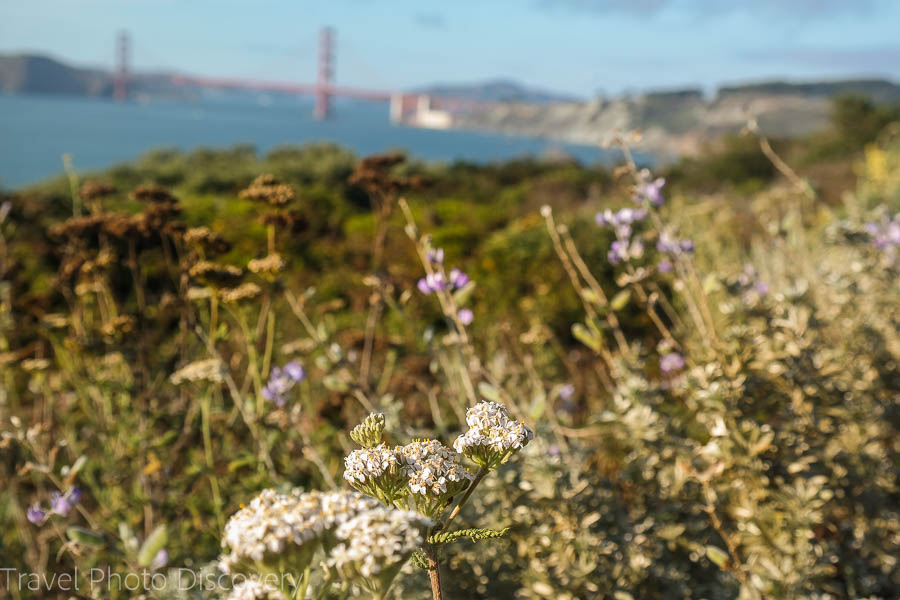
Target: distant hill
(496, 90)
(35, 74)
(878, 90)
(30, 74)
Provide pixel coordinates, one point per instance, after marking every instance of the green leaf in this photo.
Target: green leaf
(718, 556)
(472, 534)
(621, 300)
(86, 537)
(587, 337)
(153, 544)
(335, 384)
(488, 392)
(463, 294)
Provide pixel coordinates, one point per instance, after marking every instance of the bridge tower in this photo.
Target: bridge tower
(120, 77)
(325, 79)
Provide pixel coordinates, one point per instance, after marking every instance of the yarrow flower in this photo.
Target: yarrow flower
(374, 545)
(277, 529)
(434, 474)
(671, 362)
(377, 472)
(368, 433)
(492, 436)
(252, 589)
(281, 381)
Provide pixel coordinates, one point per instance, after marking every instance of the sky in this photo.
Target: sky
(581, 47)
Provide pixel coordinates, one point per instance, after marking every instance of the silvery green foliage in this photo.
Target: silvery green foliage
(762, 470)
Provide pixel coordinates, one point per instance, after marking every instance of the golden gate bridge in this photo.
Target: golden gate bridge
(414, 108)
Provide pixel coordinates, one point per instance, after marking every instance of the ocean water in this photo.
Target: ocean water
(35, 131)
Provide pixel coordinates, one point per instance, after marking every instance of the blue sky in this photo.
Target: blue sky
(576, 46)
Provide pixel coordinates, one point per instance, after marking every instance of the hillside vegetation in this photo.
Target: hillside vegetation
(709, 365)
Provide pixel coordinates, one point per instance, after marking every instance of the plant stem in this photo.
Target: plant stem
(478, 477)
(434, 572)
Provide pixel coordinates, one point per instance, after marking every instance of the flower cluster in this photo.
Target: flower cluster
(368, 433)
(438, 281)
(648, 191)
(251, 589)
(885, 233)
(281, 381)
(375, 543)
(671, 362)
(434, 473)
(60, 504)
(377, 472)
(276, 527)
(492, 436)
(621, 220)
(624, 248)
(669, 245)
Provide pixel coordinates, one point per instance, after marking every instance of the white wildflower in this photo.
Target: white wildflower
(492, 436)
(376, 471)
(433, 470)
(376, 543)
(252, 589)
(276, 526)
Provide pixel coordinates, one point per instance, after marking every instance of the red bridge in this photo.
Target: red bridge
(425, 110)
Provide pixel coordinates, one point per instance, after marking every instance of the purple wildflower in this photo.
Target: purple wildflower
(160, 560)
(621, 250)
(433, 282)
(458, 279)
(295, 371)
(554, 450)
(670, 245)
(63, 504)
(671, 362)
(762, 288)
(664, 266)
(466, 316)
(885, 234)
(435, 256)
(36, 514)
(650, 191)
(566, 391)
(281, 381)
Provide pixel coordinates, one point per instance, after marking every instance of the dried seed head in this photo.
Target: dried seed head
(215, 275)
(268, 265)
(245, 291)
(205, 238)
(93, 189)
(211, 370)
(153, 193)
(266, 188)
